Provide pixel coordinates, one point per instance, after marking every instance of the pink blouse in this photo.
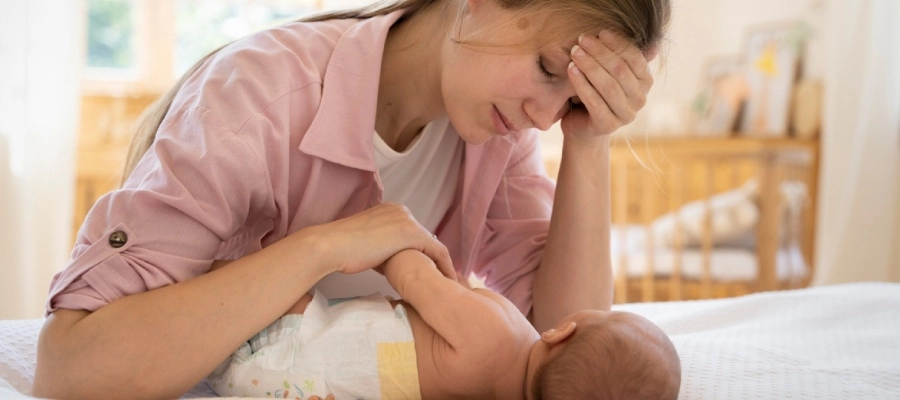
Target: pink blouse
(273, 135)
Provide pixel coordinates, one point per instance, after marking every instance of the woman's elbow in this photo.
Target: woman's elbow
(69, 359)
(54, 368)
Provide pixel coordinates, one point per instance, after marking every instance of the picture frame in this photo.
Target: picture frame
(773, 56)
(723, 92)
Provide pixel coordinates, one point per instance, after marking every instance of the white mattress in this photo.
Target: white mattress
(727, 264)
(833, 342)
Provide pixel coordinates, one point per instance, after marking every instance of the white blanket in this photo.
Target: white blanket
(833, 342)
(838, 342)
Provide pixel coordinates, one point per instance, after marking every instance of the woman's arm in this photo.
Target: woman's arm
(575, 272)
(611, 79)
(159, 344)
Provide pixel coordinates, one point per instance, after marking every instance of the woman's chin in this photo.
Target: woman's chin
(472, 132)
(476, 135)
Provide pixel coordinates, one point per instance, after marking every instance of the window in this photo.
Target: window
(143, 46)
(203, 25)
(110, 34)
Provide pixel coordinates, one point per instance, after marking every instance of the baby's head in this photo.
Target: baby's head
(606, 355)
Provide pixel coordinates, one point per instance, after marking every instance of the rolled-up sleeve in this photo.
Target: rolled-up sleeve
(517, 225)
(192, 190)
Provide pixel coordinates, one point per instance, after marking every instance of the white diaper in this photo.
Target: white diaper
(357, 348)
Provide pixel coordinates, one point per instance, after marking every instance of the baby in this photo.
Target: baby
(447, 341)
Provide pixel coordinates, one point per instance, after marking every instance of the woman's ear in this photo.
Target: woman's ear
(557, 335)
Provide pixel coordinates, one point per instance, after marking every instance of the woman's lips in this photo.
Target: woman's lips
(501, 124)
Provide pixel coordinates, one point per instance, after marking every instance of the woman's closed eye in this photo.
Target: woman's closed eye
(543, 68)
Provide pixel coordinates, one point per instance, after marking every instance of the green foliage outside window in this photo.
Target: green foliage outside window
(200, 27)
(110, 34)
(204, 25)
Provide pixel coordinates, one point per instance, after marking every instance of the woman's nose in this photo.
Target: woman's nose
(549, 109)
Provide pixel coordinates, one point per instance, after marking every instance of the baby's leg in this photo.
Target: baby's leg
(300, 306)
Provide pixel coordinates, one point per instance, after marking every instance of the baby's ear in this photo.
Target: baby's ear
(559, 334)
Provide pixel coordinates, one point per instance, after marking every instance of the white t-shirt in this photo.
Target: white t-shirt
(423, 178)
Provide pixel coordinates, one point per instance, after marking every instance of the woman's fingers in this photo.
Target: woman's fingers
(609, 56)
(441, 257)
(632, 65)
(366, 240)
(611, 76)
(431, 246)
(627, 51)
(602, 85)
(580, 119)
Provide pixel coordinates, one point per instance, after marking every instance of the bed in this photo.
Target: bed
(828, 342)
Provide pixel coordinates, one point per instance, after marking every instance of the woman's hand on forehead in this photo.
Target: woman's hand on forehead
(611, 79)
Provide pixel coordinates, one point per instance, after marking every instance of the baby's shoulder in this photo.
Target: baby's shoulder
(496, 336)
(496, 297)
(503, 330)
(470, 373)
(513, 317)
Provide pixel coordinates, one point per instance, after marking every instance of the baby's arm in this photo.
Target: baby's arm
(300, 306)
(463, 317)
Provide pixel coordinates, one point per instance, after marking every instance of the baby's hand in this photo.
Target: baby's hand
(407, 264)
(409, 260)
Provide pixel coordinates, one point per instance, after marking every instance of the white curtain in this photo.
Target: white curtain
(40, 61)
(858, 231)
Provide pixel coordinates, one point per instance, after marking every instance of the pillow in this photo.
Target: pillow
(734, 215)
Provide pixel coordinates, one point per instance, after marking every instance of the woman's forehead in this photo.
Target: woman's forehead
(553, 30)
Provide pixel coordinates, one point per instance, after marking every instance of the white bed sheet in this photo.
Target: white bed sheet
(831, 342)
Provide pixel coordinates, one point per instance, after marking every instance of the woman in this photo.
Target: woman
(279, 151)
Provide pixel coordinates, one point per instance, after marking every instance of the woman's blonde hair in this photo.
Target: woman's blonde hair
(642, 21)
